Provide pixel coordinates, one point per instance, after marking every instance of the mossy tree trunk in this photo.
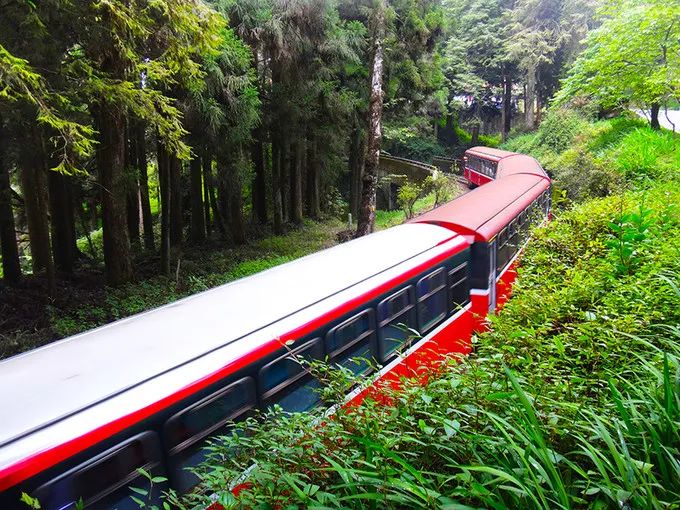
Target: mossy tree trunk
(369, 181)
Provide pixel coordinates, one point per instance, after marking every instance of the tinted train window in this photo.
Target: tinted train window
(353, 338)
(503, 250)
(285, 381)
(104, 482)
(459, 288)
(432, 302)
(396, 314)
(186, 433)
(513, 239)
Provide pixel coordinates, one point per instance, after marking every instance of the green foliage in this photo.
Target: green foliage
(407, 196)
(630, 232)
(412, 139)
(438, 186)
(19, 82)
(559, 129)
(571, 404)
(633, 57)
(591, 159)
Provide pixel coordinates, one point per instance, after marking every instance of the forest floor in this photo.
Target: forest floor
(29, 319)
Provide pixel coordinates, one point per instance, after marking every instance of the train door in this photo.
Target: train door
(492, 275)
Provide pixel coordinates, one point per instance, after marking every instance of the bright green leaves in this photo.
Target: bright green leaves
(632, 58)
(630, 232)
(73, 141)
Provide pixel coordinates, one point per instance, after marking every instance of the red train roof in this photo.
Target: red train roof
(489, 153)
(486, 210)
(519, 164)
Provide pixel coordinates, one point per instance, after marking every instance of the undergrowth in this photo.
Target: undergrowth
(595, 159)
(572, 400)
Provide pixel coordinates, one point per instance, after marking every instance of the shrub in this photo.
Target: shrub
(594, 159)
(559, 129)
(407, 196)
(582, 176)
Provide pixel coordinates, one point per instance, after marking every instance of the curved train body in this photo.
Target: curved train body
(82, 415)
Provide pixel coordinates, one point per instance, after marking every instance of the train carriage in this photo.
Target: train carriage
(480, 165)
(84, 414)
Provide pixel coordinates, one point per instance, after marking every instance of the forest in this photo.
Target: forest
(165, 123)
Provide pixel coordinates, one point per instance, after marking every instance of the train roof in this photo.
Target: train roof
(490, 153)
(55, 381)
(519, 164)
(484, 211)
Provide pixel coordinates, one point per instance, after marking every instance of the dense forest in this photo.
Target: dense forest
(133, 131)
(168, 122)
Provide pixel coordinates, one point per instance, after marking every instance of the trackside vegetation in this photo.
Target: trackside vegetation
(571, 400)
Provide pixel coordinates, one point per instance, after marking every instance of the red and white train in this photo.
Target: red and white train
(82, 415)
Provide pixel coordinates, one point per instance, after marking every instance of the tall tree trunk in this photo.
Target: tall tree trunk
(164, 184)
(62, 217)
(530, 97)
(147, 219)
(197, 218)
(132, 184)
(259, 191)
(235, 202)
(277, 198)
(507, 106)
(313, 178)
(286, 164)
(35, 203)
(356, 168)
(369, 181)
(111, 164)
(33, 177)
(297, 152)
(207, 179)
(176, 221)
(223, 192)
(11, 267)
(654, 116)
(474, 135)
(215, 204)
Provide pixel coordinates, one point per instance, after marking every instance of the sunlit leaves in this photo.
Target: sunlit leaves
(632, 58)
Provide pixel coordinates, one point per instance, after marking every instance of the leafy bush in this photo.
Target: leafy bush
(581, 175)
(413, 139)
(591, 159)
(407, 196)
(559, 129)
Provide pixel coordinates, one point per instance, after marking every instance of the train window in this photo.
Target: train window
(285, 381)
(432, 302)
(503, 254)
(459, 291)
(104, 482)
(354, 338)
(513, 239)
(396, 314)
(186, 432)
